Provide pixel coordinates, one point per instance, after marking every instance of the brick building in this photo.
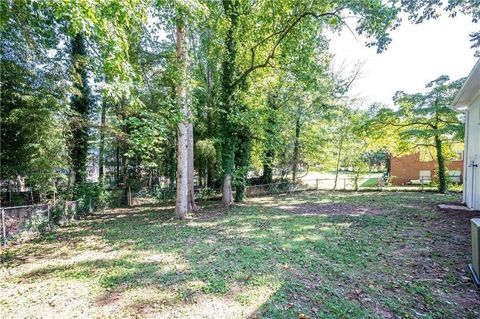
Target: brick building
(411, 169)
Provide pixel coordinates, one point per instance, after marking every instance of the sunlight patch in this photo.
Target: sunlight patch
(241, 302)
(309, 238)
(168, 261)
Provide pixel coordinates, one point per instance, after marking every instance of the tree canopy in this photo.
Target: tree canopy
(116, 91)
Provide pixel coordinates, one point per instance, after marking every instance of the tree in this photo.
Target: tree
(427, 120)
(262, 46)
(181, 207)
(81, 104)
(421, 10)
(185, 193)
(33, 97)
(205, 159)
(249, 81)
(342, 130)
(272, 133)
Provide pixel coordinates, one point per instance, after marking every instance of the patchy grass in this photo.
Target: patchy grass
(311, 255)
(371, 182)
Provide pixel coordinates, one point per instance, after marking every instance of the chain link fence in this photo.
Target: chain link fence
(362, 183)
(23, 220)
(20, 222)
(324, 184)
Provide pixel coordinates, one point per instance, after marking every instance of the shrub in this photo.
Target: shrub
(205, 193)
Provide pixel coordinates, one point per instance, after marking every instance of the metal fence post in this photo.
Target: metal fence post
(4, 228)
(344, 184)
(48, 215)
(90, 205)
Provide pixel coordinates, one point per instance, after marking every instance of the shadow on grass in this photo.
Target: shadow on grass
(319, 264)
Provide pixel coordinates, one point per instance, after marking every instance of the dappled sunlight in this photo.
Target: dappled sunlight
(359, 212)
(309, 238)
(168, 261)
(66, 299)
(232, 305)
(217, 159)
(282, 260)
(206, 224)
(290, 199)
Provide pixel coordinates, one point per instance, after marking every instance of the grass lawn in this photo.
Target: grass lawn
(307, 255)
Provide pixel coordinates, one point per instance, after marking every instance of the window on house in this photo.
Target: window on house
(455, 176)
(425, 175)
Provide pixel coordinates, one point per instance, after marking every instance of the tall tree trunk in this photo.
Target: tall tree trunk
(117, 163)
(270, 141)
(181, 205)
(182, 194)
(268, 157)
(80, 103)
(126, 185)
(357, 176)
(206, 165)
(191, 190)
(150, 179)
(125, 171)
(169, 158)
(388, 164)
(229, 141)
(209, 175)
(201, 173)
(227, 197)
(21, 183)
(296, 150)
(206, 169)
(337, 166)
(442, 176)
(242, 160)
(101, 150)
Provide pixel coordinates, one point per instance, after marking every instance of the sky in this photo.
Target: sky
(417, 55)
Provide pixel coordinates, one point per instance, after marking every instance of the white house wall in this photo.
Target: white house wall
(472, 156)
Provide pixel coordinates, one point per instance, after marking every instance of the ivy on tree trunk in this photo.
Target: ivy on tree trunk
(228, 88)
(296, 150)
(80, 104)
(271, 131)
(442, 177)
(242, 163)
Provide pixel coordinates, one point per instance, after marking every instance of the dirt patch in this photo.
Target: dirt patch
(438, 255)
(458, 214)
(400, 258)
(330, 209)
(432, 250)
(107, 298)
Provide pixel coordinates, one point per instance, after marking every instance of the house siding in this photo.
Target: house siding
(472, 156)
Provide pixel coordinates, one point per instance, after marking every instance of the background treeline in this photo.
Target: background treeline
(149, 94)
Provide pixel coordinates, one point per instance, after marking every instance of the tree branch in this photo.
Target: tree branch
(282, 33)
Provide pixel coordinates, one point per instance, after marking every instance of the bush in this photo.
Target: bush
(205, 193)
(165, 194)
(99, 196)
(57, 212)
